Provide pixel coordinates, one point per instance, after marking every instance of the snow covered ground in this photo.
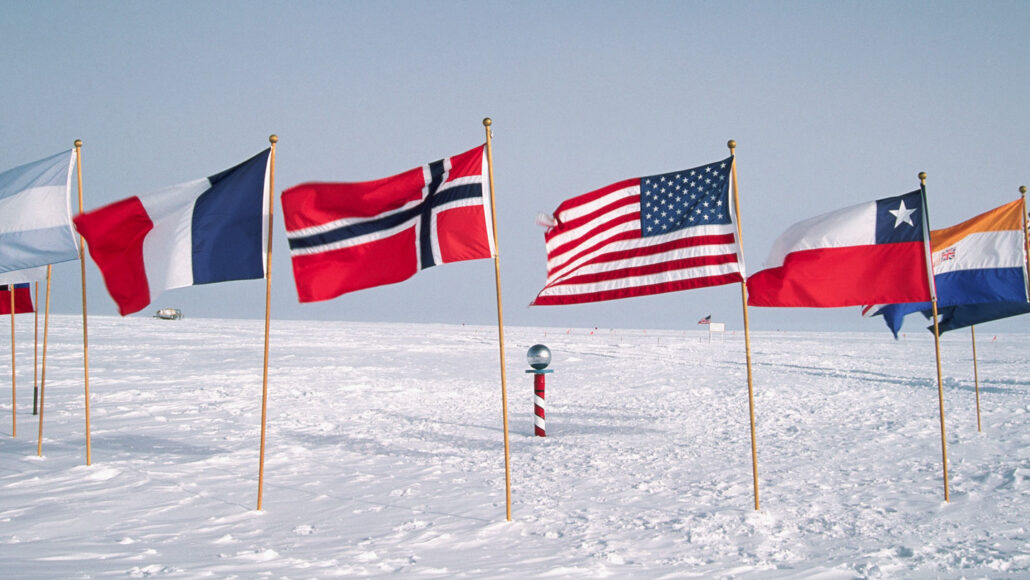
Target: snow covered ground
(385, 454)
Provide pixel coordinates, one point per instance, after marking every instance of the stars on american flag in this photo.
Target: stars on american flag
(683, 199)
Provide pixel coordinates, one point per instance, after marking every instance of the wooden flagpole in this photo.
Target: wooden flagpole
(273, 139)
(747, 328)
(936, 334)
(976, 378)
(85, 318)
(1026, 238)
(14, 407)
(487, 122)
(42, 379)
(35, 352)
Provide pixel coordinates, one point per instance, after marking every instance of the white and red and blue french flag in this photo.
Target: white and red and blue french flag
(870, 253)
(349, 236)
(208, 230)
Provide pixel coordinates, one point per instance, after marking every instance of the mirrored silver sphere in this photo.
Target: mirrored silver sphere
(539, 356)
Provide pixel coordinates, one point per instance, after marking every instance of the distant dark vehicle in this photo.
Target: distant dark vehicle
(169, 314)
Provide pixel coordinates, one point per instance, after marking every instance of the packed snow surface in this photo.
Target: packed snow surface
(385, 454)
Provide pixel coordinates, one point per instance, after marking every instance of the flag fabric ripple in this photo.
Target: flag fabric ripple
(979, 269)
(200, 232)
(870, 252)
(35, 215)
(642, 236)
(350, 236)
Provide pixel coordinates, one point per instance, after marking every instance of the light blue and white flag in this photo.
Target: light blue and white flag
(35, 214)
(37, 274)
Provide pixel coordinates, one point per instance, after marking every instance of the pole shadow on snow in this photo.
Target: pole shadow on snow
(142, 446)
(404, 508)
(449, 445)
(928, 381)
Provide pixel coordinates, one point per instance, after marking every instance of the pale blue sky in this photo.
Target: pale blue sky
(831, 104)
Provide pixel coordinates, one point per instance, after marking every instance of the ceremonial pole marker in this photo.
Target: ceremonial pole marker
(539, 357)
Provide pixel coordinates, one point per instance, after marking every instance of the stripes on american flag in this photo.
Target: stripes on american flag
(599, 250)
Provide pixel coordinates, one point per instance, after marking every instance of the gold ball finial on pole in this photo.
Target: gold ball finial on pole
(273, 138)
(78, 142)
(487, 122)
(1022, 189)
(922, 176)
(731, 144)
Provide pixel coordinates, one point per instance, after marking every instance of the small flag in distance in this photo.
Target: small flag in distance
(22, 298)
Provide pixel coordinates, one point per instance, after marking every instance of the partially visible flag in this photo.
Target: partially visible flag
(642, 236)
(200, 232)
(37, 274)
(871, 252)
(981, 261)
(35, 216)
(955, 317)
(950, 317)
(20, 280)
(705, 320)
(351, 236)
(22, 298)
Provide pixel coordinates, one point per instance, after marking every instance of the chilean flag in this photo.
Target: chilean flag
(869, 253)
(200, 232)
(349, 236)
(22, 298)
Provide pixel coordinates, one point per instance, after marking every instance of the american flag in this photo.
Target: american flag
(649, 235)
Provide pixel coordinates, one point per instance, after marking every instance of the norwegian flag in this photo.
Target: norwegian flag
(705, 320)
(350, 236)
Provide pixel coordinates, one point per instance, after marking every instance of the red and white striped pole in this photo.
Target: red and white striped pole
(539, 423)
(539, 357)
